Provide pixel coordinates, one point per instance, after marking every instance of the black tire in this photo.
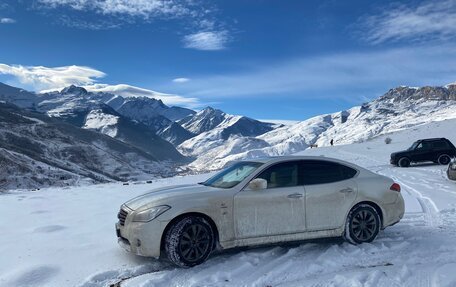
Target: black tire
(444, 159)
(362, 225)
(189, 241)
(404, 162)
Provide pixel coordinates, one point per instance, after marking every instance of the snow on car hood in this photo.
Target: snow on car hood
(159, 196)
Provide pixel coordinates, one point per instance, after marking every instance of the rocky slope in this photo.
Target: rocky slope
(38, 151)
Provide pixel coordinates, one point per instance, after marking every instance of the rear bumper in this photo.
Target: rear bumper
(394, 212)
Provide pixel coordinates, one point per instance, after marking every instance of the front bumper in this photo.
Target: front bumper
(143, 239)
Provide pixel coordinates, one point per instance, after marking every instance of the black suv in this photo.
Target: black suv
(438, 150)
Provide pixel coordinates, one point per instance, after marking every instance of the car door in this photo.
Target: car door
(422, 152)
(278, 209)
(440, 147)
(330, 192)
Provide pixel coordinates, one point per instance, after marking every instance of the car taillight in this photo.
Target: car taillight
(395, 187)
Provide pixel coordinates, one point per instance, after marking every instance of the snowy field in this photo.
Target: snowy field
(66, 237)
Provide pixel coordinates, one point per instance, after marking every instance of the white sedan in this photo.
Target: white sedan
(261, 201)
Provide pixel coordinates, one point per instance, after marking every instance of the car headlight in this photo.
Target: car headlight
(150, 213)
(453, 165)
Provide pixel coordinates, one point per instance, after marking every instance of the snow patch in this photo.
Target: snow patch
(101, 122)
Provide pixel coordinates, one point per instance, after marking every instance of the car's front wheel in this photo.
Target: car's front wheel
(189, 241)
(362, 225)
(404, 162)
(444, 159)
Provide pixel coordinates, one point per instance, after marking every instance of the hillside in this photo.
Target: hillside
(37, 151)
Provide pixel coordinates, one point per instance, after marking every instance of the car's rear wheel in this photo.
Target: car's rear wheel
(189, 241)
(444, 159)
(404, 162)
(362, 225)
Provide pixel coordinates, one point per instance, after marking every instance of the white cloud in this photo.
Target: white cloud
(132, 91)
(197, 16)
(7, 21)
(52, 78)
(181, 80)
(46, 79)
(347, 76)
(208, 41)
(428, 21)
(135, 8)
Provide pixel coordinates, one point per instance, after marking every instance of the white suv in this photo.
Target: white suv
(261, 201)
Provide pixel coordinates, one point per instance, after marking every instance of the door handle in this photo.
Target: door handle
(346, 190)
(295, 195)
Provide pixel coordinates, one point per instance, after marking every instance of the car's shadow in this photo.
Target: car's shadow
(426, 164)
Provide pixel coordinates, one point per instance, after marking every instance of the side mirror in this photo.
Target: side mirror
(258, 184)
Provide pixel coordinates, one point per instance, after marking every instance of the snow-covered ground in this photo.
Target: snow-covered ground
(66, 237)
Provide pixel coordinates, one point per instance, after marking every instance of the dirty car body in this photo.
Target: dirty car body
(261, 201)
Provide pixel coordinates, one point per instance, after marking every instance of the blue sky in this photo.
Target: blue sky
(264, 59)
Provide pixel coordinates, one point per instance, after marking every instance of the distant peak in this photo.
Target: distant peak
(74, 90)
(405, 93)
(210, 110)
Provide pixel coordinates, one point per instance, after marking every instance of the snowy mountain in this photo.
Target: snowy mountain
(74, 103)
(203, 121)
(131, 132)
(38, 151)
(230, 128)
(173, 113)
(175, 134)
(398, 109)
(112, 115)
(19, 97)
(84, 109)
(142, 109)
(150, 112)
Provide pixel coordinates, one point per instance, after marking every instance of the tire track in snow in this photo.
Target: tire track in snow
(430, 210)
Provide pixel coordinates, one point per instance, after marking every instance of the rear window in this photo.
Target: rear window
(440, 144)
(320, 172)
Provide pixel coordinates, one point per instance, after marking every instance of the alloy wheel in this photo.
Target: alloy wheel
(364, 225)
(194, 242)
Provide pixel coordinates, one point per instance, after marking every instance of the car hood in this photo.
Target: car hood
(399, 153)
(160, 195)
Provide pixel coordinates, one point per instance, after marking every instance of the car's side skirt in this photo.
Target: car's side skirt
(272, 239)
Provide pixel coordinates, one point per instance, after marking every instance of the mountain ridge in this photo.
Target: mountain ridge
(399, 108)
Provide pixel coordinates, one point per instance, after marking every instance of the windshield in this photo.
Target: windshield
(232, 175)
(414, 145)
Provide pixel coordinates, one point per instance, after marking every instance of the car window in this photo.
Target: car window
(414, 146)
(320, 172)
(424, 146)
(440, 144)
(281, 175)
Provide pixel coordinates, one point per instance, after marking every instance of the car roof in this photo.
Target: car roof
(274, 159)
(433, 139)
